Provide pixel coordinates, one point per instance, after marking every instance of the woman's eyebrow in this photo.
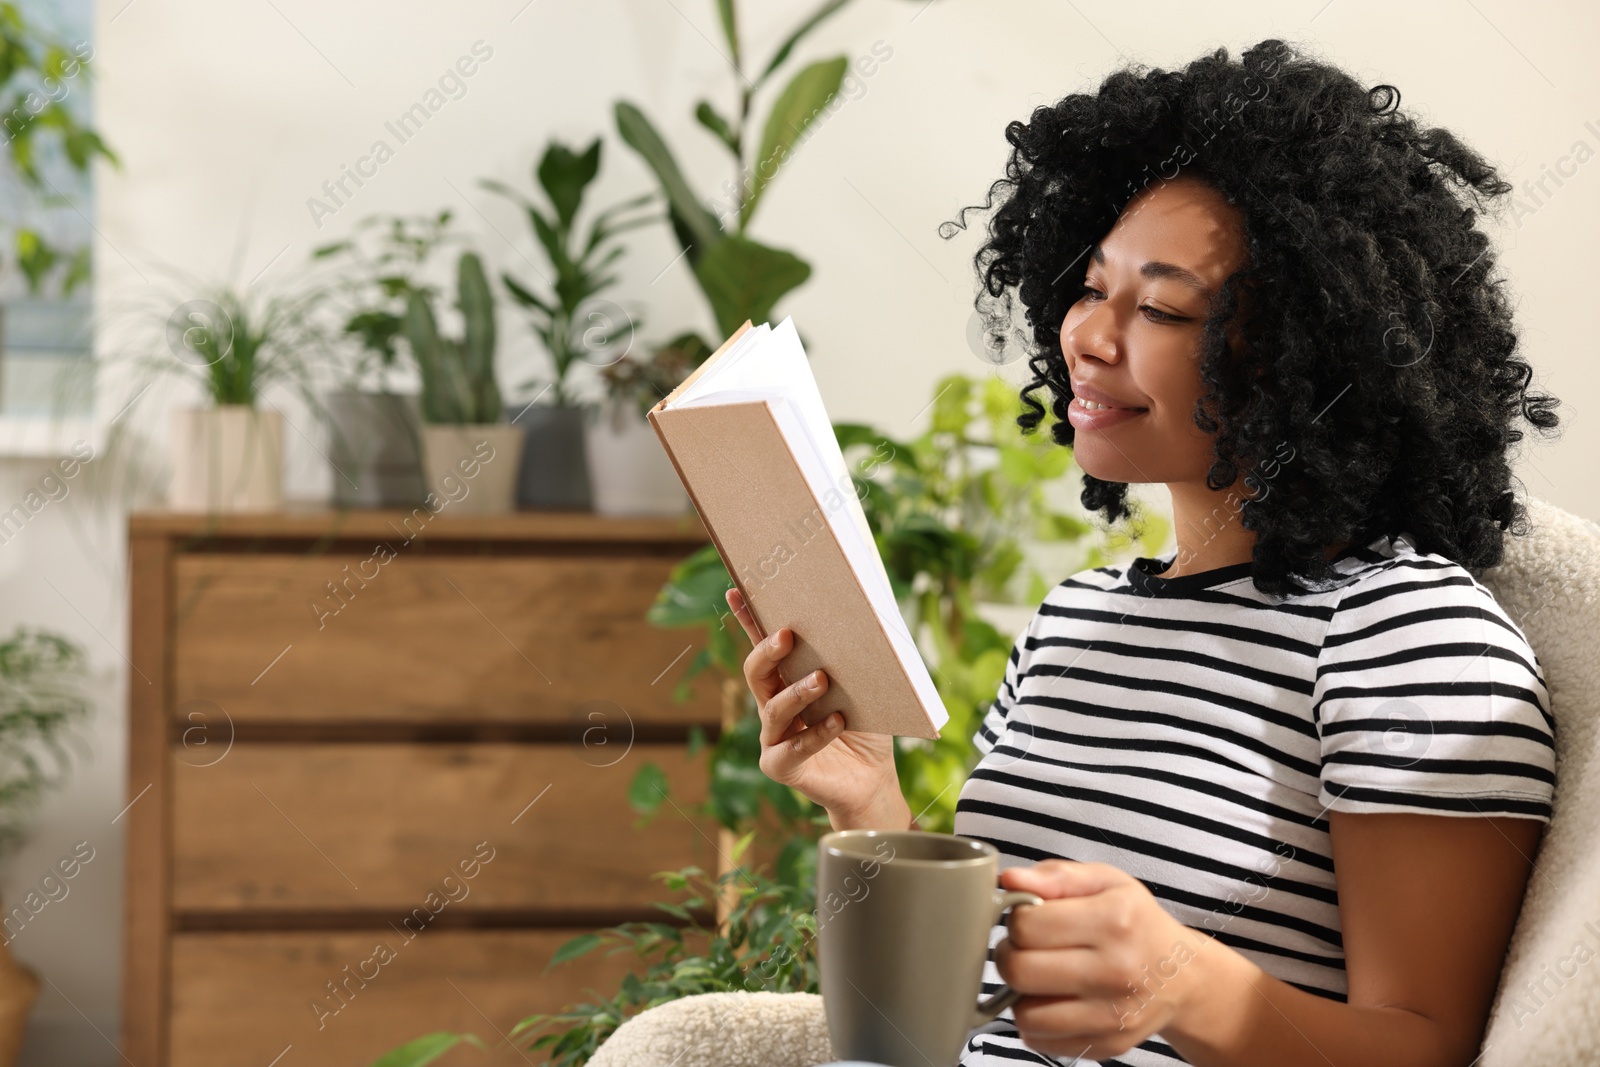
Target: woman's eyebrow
(1159, 269)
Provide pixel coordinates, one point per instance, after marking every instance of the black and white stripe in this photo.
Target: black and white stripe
(1195, 732)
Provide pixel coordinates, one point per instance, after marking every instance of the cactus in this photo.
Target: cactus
(458, 382)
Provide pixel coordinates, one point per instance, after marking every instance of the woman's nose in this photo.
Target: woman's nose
(1094, 333)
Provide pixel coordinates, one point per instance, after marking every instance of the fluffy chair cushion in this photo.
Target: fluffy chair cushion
(1547, 1009)
(723, 1030)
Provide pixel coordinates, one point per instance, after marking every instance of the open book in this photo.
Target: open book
(753, 445)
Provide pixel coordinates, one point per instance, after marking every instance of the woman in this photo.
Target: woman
(1282, 788)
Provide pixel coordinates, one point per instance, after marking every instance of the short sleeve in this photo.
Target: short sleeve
(993, 726)
(1429, 699)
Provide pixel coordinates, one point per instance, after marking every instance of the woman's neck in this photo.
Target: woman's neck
(1209, 533)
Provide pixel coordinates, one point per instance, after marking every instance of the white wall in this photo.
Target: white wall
(229, 116)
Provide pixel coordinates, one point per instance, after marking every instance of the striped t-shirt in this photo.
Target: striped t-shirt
(1194, 732)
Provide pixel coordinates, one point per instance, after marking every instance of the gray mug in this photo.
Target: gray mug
(903, 922)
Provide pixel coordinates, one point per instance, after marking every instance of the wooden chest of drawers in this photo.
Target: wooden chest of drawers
(378, 773)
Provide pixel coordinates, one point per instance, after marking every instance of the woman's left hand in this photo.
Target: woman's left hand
(1100, 964)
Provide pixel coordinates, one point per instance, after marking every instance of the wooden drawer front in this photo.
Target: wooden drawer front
(377, 827)
(240, 1000)
(535, 639)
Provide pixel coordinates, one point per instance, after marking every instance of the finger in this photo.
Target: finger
(741, 611)
(779, 762)
(1063, 878)
(1062, 972)
(761, 665)
(1073, 922)
(780, 715)
(1074, 1026)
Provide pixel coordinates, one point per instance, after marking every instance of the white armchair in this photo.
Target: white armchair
(1547, 1009)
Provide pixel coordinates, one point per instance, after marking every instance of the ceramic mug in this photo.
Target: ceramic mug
(903, 923)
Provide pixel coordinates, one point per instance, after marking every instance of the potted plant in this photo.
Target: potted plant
(234, 342)
(740, 277)
(628, 469)
(42, 697)
(375, 433)
(470, 457)
(572, 324)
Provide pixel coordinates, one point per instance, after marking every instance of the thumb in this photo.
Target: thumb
(1053, 879)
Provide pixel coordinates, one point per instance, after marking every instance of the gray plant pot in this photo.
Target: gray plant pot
(375, 447)
(555, 470)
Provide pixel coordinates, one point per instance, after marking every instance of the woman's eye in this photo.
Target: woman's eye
(1156, 314)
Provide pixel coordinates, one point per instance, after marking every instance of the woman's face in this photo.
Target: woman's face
(1134, 333)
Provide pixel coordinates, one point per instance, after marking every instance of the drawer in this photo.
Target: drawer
(288, 638)
(242, 999)
(340, 827)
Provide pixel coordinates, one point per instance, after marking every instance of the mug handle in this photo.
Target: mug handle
(1005, 997)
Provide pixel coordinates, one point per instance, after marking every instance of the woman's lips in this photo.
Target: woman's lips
(1083, 418)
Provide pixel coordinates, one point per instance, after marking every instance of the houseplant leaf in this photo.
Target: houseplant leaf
(477, 312)
(730, 28)
(794, 110)
(648, 788)
(744, 279)
(687, 211)
(793, 39)
(424, 1050)
(604, 227)
(564, 174)
(708, 117)
(573, 948)
(524, 296)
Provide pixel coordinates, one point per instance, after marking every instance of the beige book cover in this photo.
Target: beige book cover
(752, 445)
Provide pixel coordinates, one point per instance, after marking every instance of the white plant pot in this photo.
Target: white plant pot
(629, 471)
(472, 470)
(226, 458)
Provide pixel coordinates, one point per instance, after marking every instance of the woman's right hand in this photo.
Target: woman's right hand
(850, 774)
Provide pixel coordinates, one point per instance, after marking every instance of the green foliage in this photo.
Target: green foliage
(458, 380)
(380, 266)
(37, 258)
(696, 227)
(766, 944)
(740, 277)
(424, 1050)
(40, 114)
(42, 695)
(238, 341)
(792, 113)
(564, 316)
(643, 380)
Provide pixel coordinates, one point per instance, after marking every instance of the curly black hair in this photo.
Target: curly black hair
(1377, 356)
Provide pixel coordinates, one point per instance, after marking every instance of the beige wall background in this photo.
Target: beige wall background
(230, 116)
